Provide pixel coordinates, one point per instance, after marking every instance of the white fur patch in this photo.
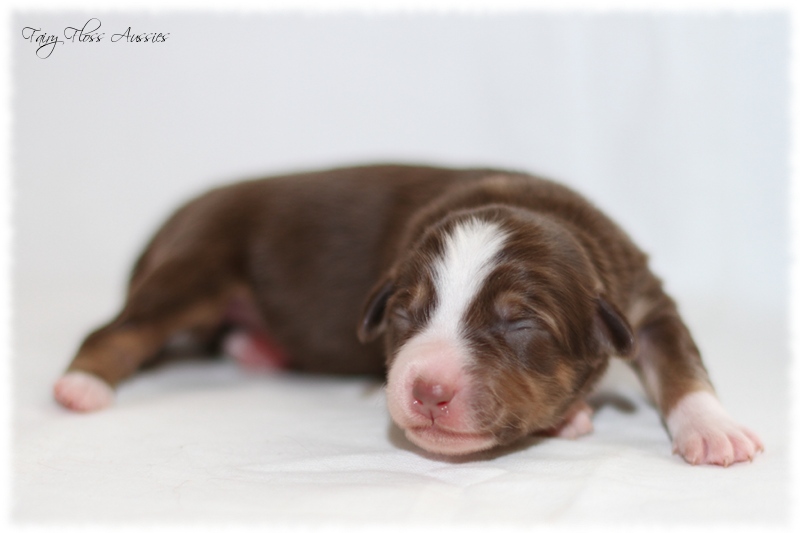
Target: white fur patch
(438, 353)
(700, 405)
(704, 433)
(469, 257)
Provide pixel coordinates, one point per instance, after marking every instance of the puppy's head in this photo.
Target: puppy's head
(494, 327)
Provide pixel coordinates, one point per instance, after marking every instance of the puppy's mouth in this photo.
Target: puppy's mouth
(443, 441)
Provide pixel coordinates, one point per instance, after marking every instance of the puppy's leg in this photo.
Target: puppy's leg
(669, 364)
(249, 342)
(174, 298)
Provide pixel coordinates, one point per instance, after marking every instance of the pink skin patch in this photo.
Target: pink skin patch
(577, 423)
(249, 344)
(704, 433)
(81, 391)
(254, 350)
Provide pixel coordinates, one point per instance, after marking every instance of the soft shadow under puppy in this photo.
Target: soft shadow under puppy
(399, 440)
(601, 400)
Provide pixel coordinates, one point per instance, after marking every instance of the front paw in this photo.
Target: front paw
(703, 432)
(577, 423)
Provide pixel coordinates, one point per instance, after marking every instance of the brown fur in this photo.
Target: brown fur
(307, 251)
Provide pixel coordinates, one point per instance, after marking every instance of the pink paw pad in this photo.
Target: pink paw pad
(703, 433)
(253, 350)
(81, 391)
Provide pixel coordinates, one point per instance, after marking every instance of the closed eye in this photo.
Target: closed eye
(520, 324)
(401, 315)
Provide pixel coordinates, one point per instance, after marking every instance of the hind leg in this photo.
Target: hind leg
(175, 298)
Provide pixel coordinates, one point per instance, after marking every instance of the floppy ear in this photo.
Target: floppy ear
(374, 312)
(613, 330)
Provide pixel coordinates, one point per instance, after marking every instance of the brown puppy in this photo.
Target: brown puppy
(500, 298)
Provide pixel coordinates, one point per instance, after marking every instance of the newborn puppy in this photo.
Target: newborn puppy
(492, 300)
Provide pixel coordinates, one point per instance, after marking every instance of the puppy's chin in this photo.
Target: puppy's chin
(442, 441)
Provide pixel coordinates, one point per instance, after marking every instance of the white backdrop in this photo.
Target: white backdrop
(676, 125)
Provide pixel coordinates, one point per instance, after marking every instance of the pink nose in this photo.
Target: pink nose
(431, 399)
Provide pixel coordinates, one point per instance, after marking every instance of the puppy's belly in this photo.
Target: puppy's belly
(316, 338)
(296, 329)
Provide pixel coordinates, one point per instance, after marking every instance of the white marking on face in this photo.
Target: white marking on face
(468, 259)
(438, 354)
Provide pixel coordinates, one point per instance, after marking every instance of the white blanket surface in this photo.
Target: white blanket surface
(203, 441)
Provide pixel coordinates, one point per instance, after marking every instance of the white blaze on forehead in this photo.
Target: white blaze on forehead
(467, 260)
(438, 354)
